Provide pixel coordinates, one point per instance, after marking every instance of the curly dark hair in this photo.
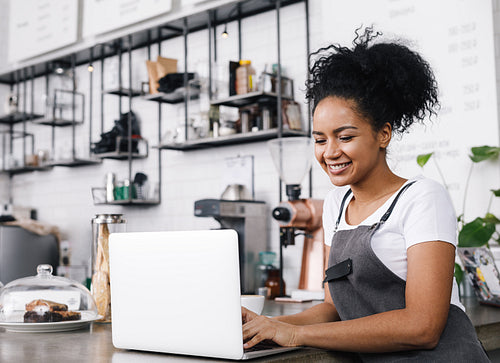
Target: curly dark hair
(387, 81)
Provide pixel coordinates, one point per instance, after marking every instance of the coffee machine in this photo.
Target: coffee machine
(249, 219)
(292, 159)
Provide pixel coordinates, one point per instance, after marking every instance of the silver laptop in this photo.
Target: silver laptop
(178, 292)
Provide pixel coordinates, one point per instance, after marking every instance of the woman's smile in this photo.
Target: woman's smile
(338, 168)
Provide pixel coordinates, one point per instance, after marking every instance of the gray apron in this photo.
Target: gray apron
(361, 285)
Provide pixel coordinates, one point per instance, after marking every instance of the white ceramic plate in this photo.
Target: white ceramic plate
(50, 327)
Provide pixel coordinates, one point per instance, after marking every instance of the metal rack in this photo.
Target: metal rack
(141, 144)
(174, 27)
(20, 117)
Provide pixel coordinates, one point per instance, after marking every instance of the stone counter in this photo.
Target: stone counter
(93, 344)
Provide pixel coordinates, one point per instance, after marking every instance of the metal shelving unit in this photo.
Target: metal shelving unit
(142, 144)
(20, 116)
(59, 117)
(180, 25)
(8, 137)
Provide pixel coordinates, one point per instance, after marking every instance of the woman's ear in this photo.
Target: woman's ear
(385, 135)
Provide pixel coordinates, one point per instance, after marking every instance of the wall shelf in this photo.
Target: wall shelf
(122, 91)
(26, 169)
(57, 122)
(17, 117)
(173, 97)
(75, 162)
(120, 155)
(248, 137)
(138, 202)
(248, 98)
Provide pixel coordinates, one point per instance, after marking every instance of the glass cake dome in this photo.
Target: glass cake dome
(45, 298)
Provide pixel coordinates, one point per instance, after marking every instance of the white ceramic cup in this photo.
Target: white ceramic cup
(253, 303)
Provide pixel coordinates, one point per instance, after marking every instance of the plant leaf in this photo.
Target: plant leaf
(490, 218)
(476, 233)
(459, 273)
(482, 153)
(496, 192)
(422, 159)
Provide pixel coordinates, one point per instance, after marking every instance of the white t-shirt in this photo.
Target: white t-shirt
(423, 213)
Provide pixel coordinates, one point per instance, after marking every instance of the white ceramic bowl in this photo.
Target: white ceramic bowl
(253, 303)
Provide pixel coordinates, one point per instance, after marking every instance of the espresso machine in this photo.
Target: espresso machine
(249, 219)
(296, 216)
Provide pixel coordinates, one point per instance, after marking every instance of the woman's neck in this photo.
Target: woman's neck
(377, 187)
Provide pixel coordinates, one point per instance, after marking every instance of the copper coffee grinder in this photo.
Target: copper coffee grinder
(297, 216)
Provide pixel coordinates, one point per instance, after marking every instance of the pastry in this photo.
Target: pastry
(43, 305)
(46, 311)
(51, 316)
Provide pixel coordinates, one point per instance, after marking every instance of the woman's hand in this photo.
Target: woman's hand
(247, 315)
(257, 328)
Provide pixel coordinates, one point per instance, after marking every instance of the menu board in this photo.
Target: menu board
(40, 26)
(456, 38)
(100, 16)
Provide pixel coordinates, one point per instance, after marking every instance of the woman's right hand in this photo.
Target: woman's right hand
(257, 328)
(247, 315)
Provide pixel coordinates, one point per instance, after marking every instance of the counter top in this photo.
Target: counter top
(93, 344)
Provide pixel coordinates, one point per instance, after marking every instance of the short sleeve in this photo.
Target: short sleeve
(429, 214)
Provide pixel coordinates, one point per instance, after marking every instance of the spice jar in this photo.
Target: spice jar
(102, 226)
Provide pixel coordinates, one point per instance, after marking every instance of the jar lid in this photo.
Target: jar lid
(109, 218)
(45, 298)
(245, 62)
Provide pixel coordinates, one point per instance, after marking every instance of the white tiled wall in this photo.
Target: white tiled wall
(63, 198)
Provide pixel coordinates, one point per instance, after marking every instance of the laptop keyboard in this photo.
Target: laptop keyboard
(264, 345)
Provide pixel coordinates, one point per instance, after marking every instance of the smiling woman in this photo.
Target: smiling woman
(347, 148)
(391, 240)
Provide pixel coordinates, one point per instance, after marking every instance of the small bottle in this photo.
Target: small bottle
(273, 283)
(110, 187)
(245, 78)
(262, 269)
(213, 119)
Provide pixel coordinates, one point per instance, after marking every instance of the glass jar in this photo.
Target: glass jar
(102, 226)
(273, 283)
(45, 298)
(266, 260)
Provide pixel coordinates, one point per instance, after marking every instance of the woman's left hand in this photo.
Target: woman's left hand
(257, 328)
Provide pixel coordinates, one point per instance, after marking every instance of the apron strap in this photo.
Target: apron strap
(386, 214)
(389, 211)
(342, 208)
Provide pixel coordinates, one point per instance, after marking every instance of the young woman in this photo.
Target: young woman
(390, 293)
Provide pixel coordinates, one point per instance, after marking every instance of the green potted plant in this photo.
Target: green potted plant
(483, 229)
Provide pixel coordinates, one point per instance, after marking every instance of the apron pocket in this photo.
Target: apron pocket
(338, 271)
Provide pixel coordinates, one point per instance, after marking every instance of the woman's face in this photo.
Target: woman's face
(346, 146)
